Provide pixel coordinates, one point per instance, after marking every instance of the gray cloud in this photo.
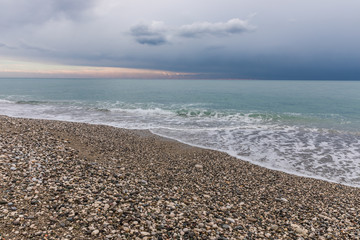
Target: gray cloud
(152, 34)
(157, 34)
(154, 40)
(201, 29)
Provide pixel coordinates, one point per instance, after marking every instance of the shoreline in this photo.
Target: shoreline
(65, 180)
(256, 163)
(148, 132)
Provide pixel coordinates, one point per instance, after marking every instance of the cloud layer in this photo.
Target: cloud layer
(220, 39)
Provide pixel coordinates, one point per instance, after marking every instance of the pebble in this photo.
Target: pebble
(300, 230)
(225, 226)
(145, 233)
(230, 220)
(199, 166)
(16, 222)
(274, 227)
(238, 228)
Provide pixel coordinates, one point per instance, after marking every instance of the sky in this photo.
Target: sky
(221, 39)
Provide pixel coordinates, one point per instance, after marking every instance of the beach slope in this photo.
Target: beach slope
(62, 180)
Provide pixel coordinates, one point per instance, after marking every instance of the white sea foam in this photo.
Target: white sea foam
(4, 101)
(282, 151)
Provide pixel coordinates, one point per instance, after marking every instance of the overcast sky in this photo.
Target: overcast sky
(257, 39)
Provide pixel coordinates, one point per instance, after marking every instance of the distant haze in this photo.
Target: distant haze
(242, 39)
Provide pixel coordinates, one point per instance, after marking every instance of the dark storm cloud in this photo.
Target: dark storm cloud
(201, 29)
(214, 64)
(149, 34)
(153, 40)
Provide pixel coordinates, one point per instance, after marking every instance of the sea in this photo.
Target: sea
(307, 128)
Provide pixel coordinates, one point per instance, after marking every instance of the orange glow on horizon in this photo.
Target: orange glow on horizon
(10, 68)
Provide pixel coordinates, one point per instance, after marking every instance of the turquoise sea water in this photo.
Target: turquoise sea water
(309, 128)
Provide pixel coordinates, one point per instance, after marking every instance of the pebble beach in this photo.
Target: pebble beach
(64, 180)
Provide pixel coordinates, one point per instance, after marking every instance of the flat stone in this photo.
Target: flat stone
(237, 228)
(299, 229)
(16, 222)
(199, 166)
(230, 220)
(225, 226)
(274, 227)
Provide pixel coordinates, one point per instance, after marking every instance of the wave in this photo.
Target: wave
(6, 101)
(141, 111)
(198, 112)
(31, 102)
(101, 109)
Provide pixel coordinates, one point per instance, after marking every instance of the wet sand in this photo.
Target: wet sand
(62, 180)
